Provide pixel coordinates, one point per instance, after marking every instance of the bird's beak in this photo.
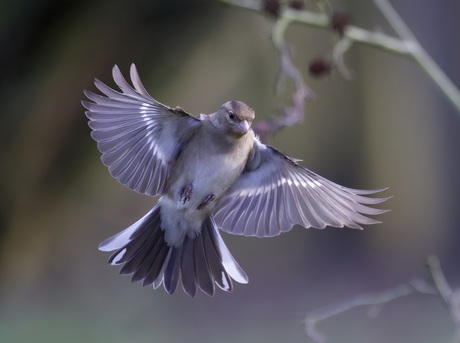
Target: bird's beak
(243, 126)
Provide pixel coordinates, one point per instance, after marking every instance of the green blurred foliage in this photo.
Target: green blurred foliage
(388, 127)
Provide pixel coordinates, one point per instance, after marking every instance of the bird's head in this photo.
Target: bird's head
(236, 116)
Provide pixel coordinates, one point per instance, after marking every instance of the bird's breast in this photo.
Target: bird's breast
(202, 175)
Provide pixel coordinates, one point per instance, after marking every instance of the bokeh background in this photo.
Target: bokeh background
(389, 127)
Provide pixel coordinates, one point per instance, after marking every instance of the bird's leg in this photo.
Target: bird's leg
(206, 200)
(186, 193)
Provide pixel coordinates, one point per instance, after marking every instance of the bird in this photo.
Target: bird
(211, 172)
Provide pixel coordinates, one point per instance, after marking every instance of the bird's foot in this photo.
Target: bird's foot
(186, 193)
(206, 200)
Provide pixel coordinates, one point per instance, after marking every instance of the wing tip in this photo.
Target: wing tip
(86, 104)
(115, 70)
(368, 191)
(100, 85)
(87, 93)
(133, 69)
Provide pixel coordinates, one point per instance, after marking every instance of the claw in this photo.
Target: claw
(186, 193)
(206, 200)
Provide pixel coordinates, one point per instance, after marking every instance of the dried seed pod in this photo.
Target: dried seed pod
(320, 67)
(339, 22)
(297, 4)
(272, 8)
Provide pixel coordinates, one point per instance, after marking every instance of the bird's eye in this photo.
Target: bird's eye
(231, 115)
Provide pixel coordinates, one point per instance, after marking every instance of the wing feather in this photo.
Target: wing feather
(139, 137)
(274, 193)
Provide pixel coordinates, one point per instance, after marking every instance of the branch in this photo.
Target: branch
(419, 54)
(435, 284)
(451, 299)
(407, 45)
(293, 114)
(373, 299)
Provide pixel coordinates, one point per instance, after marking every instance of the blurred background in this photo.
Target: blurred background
(389, 127)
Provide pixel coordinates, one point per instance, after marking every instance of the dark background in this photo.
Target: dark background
(390, 126)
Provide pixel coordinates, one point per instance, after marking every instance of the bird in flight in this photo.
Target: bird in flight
(211, 172)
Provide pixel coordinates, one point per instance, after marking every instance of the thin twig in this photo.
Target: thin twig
(339, 52)
(435, 284)
(294, 113)
(450, 298)
(418, 53)
(373, 299)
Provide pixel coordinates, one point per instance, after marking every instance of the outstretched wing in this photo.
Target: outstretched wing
(139, 137)
(274, 193)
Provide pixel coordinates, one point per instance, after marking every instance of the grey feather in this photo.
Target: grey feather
(188, 268)
(216, 268)
(172, 271)
(202, 273)
(139, 137)
(201, 261)
(274, 193)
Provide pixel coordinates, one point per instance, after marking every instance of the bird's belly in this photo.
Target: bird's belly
(203, 177)
(194, 193)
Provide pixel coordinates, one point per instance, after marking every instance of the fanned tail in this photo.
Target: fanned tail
(201, 262)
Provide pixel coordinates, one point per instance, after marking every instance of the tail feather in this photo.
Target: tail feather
(154, 274)
(187, 268)
(228, 262)
(143, 265)
(119, 240)
(200, 262)
(203, 276)
(219, 274)
(139, 243)
(140, 253)
(172, 271)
